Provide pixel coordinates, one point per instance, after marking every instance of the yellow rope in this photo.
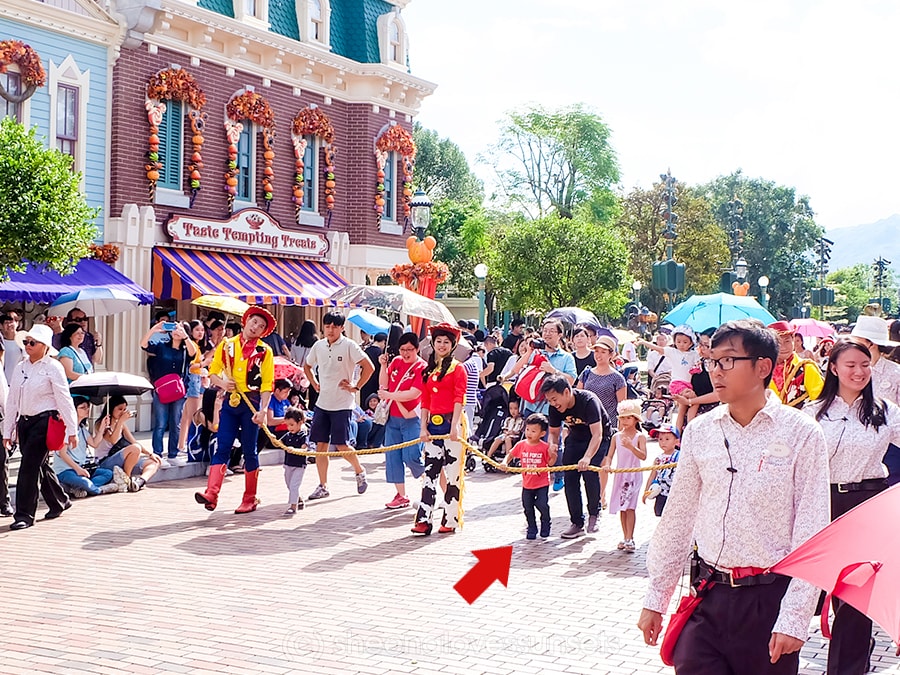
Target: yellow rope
(467, 446)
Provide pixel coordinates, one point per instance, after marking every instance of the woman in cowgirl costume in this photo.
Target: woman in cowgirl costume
(443, 398)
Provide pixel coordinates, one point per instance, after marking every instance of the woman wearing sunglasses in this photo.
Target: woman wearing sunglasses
(38, 392)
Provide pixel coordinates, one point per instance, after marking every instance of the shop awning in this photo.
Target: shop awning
(39, 284)
(186, 274)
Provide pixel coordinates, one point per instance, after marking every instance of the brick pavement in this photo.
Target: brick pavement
(152, 583)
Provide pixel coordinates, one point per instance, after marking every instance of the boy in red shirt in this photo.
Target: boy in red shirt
(533, 453)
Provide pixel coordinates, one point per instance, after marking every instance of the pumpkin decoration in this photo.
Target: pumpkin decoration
(421, 251)
(248, 105)
(174, 84)
(311, 121)
(394, 139)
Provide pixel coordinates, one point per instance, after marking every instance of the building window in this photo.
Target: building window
(12, 83)
(392, 39)
(171, 143)
(310, 171)
(253, 12)
(246, 155)
(390, 187)
(67, 119)
(313, 18)
(395, 42)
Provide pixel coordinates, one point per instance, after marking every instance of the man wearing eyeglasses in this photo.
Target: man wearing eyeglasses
(92, 344)
(751, 485)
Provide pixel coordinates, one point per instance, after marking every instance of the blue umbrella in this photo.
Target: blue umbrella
(95, 301)
(711, 311)
(370, 323)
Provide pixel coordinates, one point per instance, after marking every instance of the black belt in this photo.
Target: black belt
(867, 485)
(733, 578)
(31, 418)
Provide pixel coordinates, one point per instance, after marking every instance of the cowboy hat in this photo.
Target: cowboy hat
(873, 329)
(265, 314)
(782, 328)
(444, 328)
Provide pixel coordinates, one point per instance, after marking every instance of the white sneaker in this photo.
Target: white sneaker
(179, 460)
(165, 463)
(121, 480)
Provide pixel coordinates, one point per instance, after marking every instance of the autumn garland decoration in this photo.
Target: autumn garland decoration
(249, 105)
(174, 84)
(108, 253)
(312, 121)
(406, 273)
(31, 71)
(399, 140)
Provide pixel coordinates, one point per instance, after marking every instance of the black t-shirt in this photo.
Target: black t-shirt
(297, 441)
(510, 341)
(701, 383)
(587, 362)
(498, 356)
(585, 411)
(371, 385)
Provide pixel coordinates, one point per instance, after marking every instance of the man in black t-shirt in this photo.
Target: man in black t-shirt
(373, 351)
(516, 330)
(586, 445)
(496, 360)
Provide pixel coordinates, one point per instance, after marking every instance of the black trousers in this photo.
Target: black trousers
(851, 632)
(729, 633)
(35, 472)
(4, 478)
(537, 498)
(572, 480)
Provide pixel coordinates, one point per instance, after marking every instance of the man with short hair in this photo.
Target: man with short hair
(330, 366)
(586, 444)
(496, 357)
(92, 343)
(751, 485)
(516, 330)
(374, 352)
(12, 352)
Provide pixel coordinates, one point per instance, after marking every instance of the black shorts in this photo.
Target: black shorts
(330, 426)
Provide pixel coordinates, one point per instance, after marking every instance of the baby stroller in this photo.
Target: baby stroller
(494, 409)
(656, 411)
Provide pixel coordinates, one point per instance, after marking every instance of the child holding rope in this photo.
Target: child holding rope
(294, 465)
(533, 453)
(631, 446)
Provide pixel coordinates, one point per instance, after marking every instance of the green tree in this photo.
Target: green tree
(853, 290)
(552, 161)
(558, 262)
(779, 232)
(701, 244)
(44, 218)
(441, 169)
(460, 230)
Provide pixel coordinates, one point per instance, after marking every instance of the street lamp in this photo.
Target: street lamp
(636, 287)
(740, 269)
(481, 272)
(420, 213)
(763, 283)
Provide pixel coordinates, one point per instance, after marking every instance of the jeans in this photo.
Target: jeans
(537, 498)
(234, 421)
(399, 430)
(363, 427)
(91, 485)
(166, 416)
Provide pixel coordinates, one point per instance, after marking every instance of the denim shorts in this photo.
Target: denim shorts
(194, 388)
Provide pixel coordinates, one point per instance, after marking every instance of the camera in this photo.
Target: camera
(538, 343)
(170, 326)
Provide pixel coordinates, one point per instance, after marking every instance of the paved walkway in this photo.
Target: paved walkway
(152, 583)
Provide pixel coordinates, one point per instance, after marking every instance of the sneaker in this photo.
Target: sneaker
(592, 524)
(178, 460)
(319, 493)
(361, 484)
(558, 482)
(121, 479)
(399, 502)
(545, 533)
(531, 534)
(164, 463)
(78, 493)
(573, 532)
(137, 483)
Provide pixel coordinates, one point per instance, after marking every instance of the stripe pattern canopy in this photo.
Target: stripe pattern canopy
(185, 274)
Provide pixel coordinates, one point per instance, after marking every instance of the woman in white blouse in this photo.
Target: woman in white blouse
(858, 428)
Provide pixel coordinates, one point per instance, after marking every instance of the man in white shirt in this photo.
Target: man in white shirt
(12, 352)
(330, 366)
(751, 485)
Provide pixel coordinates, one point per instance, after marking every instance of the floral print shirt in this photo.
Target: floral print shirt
(777, 497)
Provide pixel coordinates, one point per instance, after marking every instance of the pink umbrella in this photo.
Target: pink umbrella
(812, 327)
(857, 559)
(285, 369)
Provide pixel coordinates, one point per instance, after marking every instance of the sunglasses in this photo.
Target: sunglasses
(80, 319)
(30, 343)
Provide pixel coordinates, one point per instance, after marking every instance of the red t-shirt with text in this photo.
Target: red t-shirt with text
(533, 457)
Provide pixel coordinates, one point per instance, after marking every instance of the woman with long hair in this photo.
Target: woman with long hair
(443, 397)
(197, 375)
(858, 428)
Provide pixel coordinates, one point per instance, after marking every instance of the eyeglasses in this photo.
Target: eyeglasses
(727, 362)
(30, 343)
(80, 319)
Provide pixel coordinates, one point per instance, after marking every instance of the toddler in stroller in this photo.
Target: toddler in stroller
(509, 434)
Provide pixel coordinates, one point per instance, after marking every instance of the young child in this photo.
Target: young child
(294, 465)
(628, 447)
(511, 431)
(685, 360)
(659, 482)
(533, 452)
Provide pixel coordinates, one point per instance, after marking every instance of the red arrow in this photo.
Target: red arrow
(493, 565)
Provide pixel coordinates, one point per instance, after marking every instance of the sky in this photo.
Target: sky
(805, 93)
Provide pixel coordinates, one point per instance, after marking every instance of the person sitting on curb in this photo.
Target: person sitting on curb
(69, 463)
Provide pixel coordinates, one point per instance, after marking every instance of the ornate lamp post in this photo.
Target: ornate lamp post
(420, 213)
(636, 287)
(481, 272)
(763, 283)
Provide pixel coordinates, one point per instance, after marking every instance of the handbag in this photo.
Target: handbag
(56, 433)
(382, 412)
(528, 384)
(678, 621)
(170, 388)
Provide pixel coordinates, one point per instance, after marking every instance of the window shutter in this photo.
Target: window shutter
(170, 145)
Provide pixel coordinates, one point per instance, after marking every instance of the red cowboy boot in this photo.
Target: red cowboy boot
(249, 502)
(210, 498)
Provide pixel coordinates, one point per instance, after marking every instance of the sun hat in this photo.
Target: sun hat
(630, 407)
(606, 342)
(265, 314)
(665, 429)
(873, 329)
(685, 330)
(39, 332)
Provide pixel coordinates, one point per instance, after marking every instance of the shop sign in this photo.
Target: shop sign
(250, 230)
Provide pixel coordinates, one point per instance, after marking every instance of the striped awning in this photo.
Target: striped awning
(185, 274)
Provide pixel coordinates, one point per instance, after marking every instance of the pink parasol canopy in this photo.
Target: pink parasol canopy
(812, 328)
(857, 560)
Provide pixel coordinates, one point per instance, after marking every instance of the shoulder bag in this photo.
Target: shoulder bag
(170, 388)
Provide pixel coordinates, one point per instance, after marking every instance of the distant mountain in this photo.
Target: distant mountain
(864, 243)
